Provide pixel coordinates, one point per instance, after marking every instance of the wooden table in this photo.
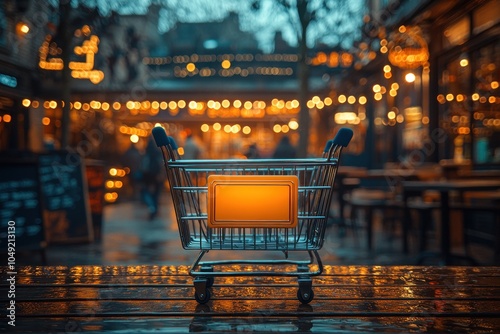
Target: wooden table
(159, 299)
(444, 187)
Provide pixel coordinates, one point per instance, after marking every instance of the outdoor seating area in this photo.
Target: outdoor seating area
(414, 202)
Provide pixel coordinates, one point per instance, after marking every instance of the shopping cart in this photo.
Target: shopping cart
(255, 204)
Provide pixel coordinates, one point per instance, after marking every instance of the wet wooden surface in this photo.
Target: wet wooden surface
(159, 299)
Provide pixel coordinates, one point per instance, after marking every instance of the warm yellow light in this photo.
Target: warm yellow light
(45, 121)
(248, 105)
(285, 128)
(26, 103)
(345, 117)
(464, 62)
(53, 104)
(449, 97)
(172, 105)
(216, 126)
(235, 128)
(227, 128)
(351, 99)
(362, 100)
(205, 128)
(377, 96)
(395, 86)
(22, 28)
(391, 115)
(342, 98)
(134, 138)
(190, 67)
(494, 84)
(293, 124)
(237, 103)
(475, 97)
(225, 104)
(400, 118)
(277, 128)
(181, 104)
(246, 130)
(387, 68)
(226, 64)
(310, 104)
(376, 88)
(113, 171)
(410, 77)
(328, 101)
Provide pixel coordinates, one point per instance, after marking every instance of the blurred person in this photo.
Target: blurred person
(132, 159)
(252, 152)
(192, 150)
(284, 149)
(153, 177)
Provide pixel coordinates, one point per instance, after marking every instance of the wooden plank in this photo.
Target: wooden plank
(347, 298)
(138, 292)
(263, 323)
(242, 308)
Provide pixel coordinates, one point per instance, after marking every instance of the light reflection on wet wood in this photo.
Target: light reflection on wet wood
(347, 298)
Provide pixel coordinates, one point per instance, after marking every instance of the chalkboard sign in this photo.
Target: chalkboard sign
(20, 205)
(65, 198)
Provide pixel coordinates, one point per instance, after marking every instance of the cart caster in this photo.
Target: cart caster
(305, 293)
(305, 297)
(201, 292)
(202, 298)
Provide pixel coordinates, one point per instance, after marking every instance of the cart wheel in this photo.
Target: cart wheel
(203, 298)
(305, 297)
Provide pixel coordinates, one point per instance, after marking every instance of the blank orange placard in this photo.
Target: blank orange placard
(252, 200)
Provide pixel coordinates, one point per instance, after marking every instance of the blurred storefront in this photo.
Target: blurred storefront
(421, 86)
(432, 90)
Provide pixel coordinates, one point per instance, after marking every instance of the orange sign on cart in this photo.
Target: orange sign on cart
(252, 201)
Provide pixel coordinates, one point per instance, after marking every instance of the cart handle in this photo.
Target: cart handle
(342, 138)
(161, 139)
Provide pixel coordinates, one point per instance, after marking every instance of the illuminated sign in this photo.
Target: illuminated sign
(79, 70)
(8, 80)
